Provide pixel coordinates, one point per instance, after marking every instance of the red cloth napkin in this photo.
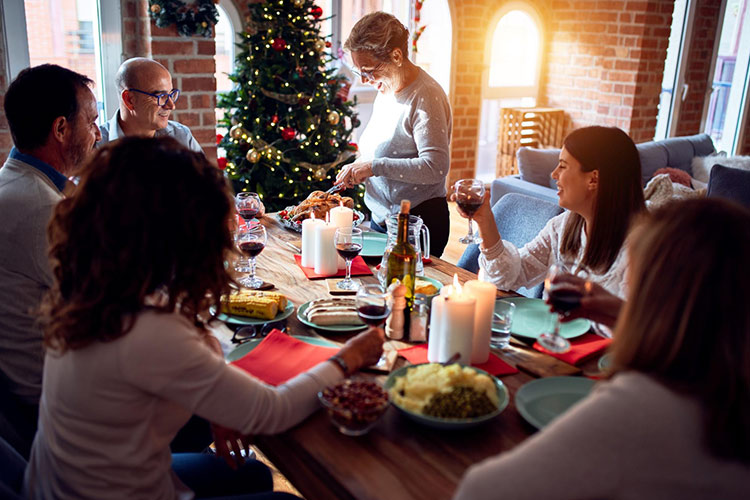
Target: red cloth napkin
(359, 268)
(280, 357)
(581, 348)
(493, 366)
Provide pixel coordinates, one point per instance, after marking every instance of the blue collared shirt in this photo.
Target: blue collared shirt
(58, 179)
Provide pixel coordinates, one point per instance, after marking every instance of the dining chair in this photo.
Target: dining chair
(519, 219)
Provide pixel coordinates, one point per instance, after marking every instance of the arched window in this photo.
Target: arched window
(226, 36)
(435, 44)
(511, 78)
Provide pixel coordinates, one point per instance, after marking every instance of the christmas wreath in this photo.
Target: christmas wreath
(195, 19)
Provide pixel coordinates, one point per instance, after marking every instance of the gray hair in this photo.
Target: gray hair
(378, 33)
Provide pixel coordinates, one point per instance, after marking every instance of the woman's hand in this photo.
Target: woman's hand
(227, 441)
(354, 173)
(363, 350)
(484, 219)
(597, 304)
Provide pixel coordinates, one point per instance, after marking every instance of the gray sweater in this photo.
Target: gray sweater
(411, 154)
(631, 439)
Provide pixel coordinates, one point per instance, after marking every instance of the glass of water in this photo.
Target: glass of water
(501, 322)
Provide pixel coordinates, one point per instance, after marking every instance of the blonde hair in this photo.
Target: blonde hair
(686, 321)
(378, 33)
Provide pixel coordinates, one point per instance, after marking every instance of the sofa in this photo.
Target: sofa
(536, 165)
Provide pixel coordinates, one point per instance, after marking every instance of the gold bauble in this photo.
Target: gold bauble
(319, 45)
(252, 156)
(333, 118)
(236, 132)
(298, 3)
(320, 174)
(156, 8)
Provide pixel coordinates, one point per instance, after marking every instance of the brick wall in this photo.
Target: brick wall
(697, 74)
(5, 141)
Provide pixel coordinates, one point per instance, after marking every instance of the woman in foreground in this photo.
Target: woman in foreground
(138, 253)
(673, 420)
(599, 183)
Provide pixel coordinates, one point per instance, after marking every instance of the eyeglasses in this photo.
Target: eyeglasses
(161, 99)
(368, 74)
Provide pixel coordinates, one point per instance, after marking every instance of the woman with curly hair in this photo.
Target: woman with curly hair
(138, 254)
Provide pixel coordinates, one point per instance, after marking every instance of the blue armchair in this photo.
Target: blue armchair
(519, 219)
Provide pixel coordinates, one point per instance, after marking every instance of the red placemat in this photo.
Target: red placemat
(280, 357)
(581, 349)
(493, 366)
(359, 268)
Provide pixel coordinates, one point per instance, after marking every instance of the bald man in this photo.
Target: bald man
(146, 100)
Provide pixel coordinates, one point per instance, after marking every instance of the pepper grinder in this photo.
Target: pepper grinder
(394, 325)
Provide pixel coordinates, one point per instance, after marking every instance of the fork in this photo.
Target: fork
(335, 188)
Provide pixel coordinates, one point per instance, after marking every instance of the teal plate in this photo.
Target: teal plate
(541, 401)
(605, 362)
(302, 316)
(449, 423)
(432, 281)
(532, 318)
(373, 244)
(244, 320)
(248, 346)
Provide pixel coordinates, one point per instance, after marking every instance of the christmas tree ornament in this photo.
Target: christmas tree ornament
(156, 8)
(320, 174)
(288, 133)
(219, 137)
(298, 3)
(316, 11)
(222, 163)
(278, 44)
(328, 44)
(252, 155)
(319, 45)
(275, 119)
(236, 132)
(333, 118)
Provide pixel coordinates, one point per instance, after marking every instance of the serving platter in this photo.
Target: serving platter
(302, 316)
(287, 222)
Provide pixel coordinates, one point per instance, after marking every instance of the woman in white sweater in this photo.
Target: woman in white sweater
(673, 420)
(599, 183)
(138, 254)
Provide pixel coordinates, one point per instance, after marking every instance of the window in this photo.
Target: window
(666, 119)
(513, 60)
(226, 30)
(83, 35)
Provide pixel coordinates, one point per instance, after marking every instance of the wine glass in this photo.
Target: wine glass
(469, 197)
(251, 240)
(248, 205)
(348, 241)
(373, 305)
(564, 296)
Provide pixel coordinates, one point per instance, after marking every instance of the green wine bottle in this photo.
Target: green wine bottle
(402, 261)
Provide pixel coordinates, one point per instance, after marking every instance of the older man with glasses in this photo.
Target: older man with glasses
(147, 98)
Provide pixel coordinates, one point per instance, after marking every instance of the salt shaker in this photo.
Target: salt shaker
(394, 325)
(418, 320)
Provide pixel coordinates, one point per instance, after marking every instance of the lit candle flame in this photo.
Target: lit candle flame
(341, 204)
(328, 218)
(456, 285)
(312, 215)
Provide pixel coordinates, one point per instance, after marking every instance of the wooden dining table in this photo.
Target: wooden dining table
(398, 458)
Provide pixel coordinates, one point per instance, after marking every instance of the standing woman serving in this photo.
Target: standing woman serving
(406, 143)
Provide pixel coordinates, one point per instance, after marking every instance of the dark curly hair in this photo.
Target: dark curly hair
(147, 227)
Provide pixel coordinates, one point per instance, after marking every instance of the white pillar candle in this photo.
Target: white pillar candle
(342, 216)
(484, 294)
(308, 240)
(325, 251)
(454, 324)
(434, 345)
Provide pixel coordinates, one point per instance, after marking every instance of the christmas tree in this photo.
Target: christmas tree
(288, 116)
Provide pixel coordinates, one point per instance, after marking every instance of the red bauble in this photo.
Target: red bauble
(316, 11)
(288, 133)
(219, 137)
(328, 44)
(275, 119)
(354, 145)
(278, 44)
(222, 162)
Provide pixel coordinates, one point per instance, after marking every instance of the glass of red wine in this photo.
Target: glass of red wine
(251, 240)
(248, 205)
(469, 197)
(564, 296)
(373, 304)
(348, 241)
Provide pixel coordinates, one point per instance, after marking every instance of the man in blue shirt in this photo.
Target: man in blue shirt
(52, 116)
(147, 98)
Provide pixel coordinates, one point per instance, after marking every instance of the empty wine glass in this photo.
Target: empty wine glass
(348, 241)
(564, 297)
(242, 264)
(373, 304)
(248, 205)
(469, 197)
(251, 240)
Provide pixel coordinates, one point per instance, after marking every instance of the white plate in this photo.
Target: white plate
(302, 316)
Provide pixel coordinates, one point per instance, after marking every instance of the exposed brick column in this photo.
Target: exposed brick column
(697, 75)
(5, 140)
(191, 62)
(136, 29)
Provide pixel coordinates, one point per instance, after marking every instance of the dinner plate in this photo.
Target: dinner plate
(374, 244)
(297, 226)
(449, 423)
(244, 320)
(532, 318)
(328, 328)
(605, 362)
(248, 346)
(541, 401)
